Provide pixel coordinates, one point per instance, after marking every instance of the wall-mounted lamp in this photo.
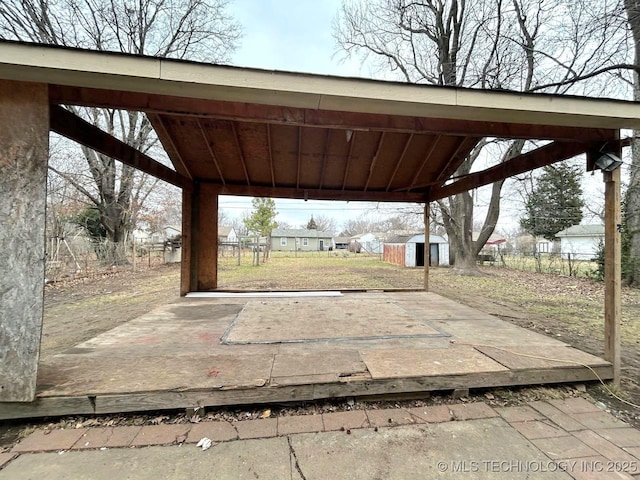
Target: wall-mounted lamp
(608, 162)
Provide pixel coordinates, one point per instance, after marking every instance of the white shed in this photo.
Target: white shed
(438, 251)
(581, 241)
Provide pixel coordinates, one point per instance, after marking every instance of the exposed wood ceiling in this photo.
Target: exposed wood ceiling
(292, 135)
(285, 151)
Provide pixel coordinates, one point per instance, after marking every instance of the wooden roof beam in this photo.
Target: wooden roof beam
(324, 194)
(546, 155)
(70, 125)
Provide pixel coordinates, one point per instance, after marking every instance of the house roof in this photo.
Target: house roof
(582, 231)
(224, 231)
(342, 239)
(281, 134)
(299, 232)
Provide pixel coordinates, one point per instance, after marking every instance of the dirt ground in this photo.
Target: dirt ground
(77, 309)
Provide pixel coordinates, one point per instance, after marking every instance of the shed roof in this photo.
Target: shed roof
(432, 239)
(281, 134)
(582, 231)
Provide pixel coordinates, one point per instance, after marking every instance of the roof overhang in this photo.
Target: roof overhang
(282, 134)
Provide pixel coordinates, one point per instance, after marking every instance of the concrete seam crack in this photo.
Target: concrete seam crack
(293, 455)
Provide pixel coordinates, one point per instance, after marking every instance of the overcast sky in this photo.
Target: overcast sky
(297, 35)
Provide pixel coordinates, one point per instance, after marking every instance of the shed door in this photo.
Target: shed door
(420, 254)
(434, 258)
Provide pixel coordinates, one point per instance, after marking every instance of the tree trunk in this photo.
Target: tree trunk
(632, 197)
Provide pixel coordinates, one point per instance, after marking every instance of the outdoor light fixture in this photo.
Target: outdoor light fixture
(608, 162)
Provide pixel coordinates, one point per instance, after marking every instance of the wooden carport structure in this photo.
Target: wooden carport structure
(241, 131)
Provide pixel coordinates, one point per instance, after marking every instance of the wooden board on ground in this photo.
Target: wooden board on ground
(523, 358)
(493, 331)
(419, 363)
(66, 376)
(171, 329)
(309, 320)
(316, 367)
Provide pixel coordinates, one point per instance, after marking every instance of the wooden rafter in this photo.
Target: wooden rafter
(352, 142)
(399, 162)
(270, 153)
(212, 152)
(299, 131)
(374, 160)
(69, 125)
(169, 146)
(546, 155)
(463, 149)
(325, 154)
(240, 153)
(432, 148)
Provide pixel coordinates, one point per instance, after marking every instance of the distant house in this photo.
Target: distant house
(581, 242)
(289, 240)
(342, 243)
(166, 233)
(367, 243)
(227, 235)
(408, 250)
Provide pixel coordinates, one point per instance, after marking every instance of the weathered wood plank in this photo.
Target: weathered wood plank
(172, 400)
(24, 145)
(47, 407)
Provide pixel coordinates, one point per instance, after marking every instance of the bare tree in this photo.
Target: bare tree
(325, 224)
(193, 29)
(522, 45)
(632, 196)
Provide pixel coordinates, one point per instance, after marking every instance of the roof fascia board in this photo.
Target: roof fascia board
(164, 76)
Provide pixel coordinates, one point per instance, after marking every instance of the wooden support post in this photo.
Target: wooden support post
(24, 150)
(427, 249)
(185, 243)
(207, 242)
(199, 270)
(612, 271)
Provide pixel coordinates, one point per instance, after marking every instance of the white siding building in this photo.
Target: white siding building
(438, 251)
(581, 241)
